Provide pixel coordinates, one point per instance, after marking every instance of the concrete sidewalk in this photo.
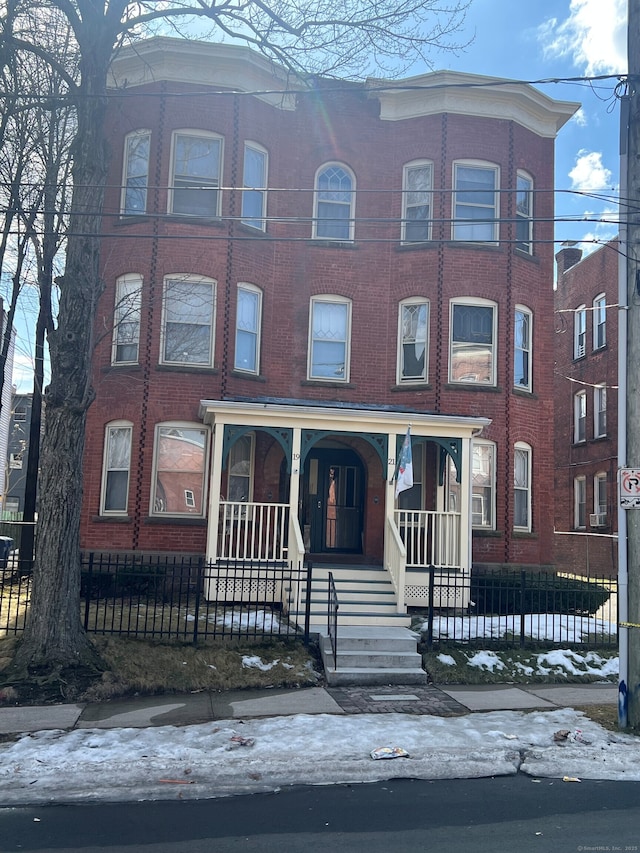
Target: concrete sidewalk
(187, 709)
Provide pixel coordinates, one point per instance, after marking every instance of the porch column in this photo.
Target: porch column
(214, 493)
(390, 493)
(294, 483)
(465, 507)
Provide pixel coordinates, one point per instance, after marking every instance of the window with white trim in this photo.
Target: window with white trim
(580, 417)
(417, 186)
(580, 332)
(126, 326)
(254, 181)
(483, 486)
(188, 320)
(195, 174)
(179, 465)
(472, 357)
(329, 338)
(413, 340)
(522, 486)
(600, 495)
(523, 336)
(240, 469)
(599, 411)
(334, 203)
(524, 213)
(115, 468)
(135, 173)
(579, 503)
(248, 326)
(475, 202)
(599, 321)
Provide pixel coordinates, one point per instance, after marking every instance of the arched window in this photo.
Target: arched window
(248, 327)
(522, 486)
(472, 357)
(334, 203)
(126, 319)
(188, 320)
(417, 186)
(413, 340)
(524, 212)
(475, 201)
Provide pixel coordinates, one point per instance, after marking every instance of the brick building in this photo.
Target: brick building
(293, 275)
(586, 401)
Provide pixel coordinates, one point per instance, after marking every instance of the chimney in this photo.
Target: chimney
(567, 257)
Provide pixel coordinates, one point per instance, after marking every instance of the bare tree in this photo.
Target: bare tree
(347, 37)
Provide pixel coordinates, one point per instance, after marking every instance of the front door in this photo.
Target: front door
(334, 498)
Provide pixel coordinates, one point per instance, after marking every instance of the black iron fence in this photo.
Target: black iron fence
(332, 618)
(177, 598)
(519, 608)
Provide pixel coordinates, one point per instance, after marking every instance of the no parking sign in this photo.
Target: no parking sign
(630, 488)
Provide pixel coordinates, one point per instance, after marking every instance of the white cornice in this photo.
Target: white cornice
(344, 419)
(222, 66)
(471, 94)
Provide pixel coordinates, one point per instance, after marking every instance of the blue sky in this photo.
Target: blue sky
(559, 39)
(527, 40)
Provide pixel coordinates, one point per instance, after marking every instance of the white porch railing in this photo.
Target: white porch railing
(253, 531)
(430, 538)
(395, 559)
(295, 604)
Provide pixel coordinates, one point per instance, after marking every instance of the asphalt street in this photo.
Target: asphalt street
(497, 815)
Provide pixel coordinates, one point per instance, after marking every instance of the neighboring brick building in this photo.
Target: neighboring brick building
(390, 261)
(586, 399)
(18, 453)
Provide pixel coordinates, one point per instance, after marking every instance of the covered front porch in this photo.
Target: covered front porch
(290, 482)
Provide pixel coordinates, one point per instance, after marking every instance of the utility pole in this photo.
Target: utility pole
(632, 206)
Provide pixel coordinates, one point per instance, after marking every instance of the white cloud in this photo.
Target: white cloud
(593, 36)
(589, 172)
(579, 118)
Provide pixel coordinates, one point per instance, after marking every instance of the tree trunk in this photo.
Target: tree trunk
(54, 642)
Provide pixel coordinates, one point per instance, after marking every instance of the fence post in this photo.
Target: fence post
(523, 586)
(432, 584)
(88, 590)
(307, 603)
(198, 594)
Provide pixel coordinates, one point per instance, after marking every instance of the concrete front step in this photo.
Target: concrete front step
(367, 619)
(373, 655)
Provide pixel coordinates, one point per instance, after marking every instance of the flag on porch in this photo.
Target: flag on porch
(405, 466)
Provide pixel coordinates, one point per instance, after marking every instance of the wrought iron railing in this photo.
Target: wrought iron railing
(332, 618)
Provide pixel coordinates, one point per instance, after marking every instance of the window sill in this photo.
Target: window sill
(194, 219)
(414, 245)
(131, 366)
(186, 368)
(526, 256)
(133, 219)
(253, 377)
(522, 392)
(117, 519)
(182, 521)
(470, 386)
(324, 243)
(488, 246)
(325, 383)
(485, 533)
(412, 386)
(524, 534)
(250, 229)
(581, 443)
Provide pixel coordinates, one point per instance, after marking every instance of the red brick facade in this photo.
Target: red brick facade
(584, 544)
(344, 124)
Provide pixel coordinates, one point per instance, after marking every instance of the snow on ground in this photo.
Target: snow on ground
(556, 662)
(231, 756)
(555, 627)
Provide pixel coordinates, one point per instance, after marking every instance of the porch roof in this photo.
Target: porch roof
(339, 418)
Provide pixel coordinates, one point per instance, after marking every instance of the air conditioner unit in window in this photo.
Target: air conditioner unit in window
(597, 519)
